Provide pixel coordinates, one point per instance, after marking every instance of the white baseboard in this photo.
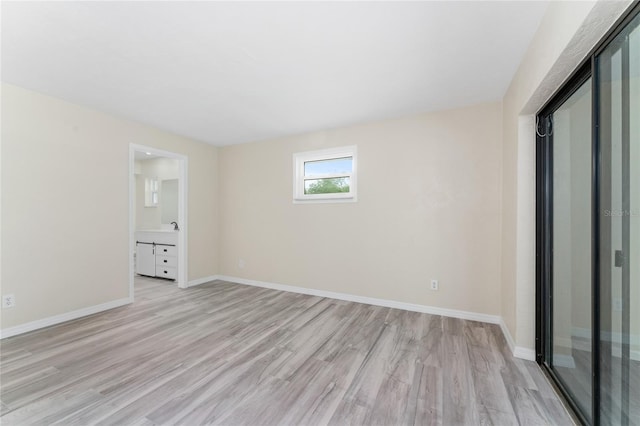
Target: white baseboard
(473, 316)
(507, 335)
(634, 355)
(584, 333)
(616, 351)
(560, 360)
(57, 319)
(613, 337)
(202, 280)
(524, 353)
(517, 351)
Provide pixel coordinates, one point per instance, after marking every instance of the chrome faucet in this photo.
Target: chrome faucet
(175, 226)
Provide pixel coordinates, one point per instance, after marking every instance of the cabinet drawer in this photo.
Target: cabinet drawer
(170, 261)
(166, 272)
(166, 250)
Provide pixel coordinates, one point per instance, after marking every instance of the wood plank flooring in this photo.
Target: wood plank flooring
(223, 353)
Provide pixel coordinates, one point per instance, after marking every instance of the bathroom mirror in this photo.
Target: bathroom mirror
(169, 201)
(157, 183)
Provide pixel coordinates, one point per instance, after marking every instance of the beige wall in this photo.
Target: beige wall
(65, 204)
(428, 207)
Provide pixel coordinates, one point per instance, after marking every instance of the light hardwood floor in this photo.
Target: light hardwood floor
(229, 354)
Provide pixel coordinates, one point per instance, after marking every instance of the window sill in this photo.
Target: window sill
(324, 200)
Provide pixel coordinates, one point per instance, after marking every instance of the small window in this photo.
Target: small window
(151, 192)
(328, 175)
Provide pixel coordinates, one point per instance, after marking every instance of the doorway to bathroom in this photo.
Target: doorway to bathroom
(157, 216)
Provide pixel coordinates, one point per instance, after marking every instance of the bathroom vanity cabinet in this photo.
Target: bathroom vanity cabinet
(157, 254)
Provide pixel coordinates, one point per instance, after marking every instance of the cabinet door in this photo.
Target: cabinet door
(145, 259)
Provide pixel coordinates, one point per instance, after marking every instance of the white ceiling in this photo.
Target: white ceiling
(233, 72)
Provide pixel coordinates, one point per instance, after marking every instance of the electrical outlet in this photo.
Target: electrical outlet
(8, 301)
(434, 284)
(241, 263)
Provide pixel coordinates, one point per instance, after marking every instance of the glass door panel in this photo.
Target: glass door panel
(619, 217)
(571, 357)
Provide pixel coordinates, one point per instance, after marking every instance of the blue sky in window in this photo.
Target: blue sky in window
(335, 165)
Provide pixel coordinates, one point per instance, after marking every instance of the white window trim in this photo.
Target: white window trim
(151, 189)
(324, 154)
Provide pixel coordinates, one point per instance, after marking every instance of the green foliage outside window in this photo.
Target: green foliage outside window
(327, 186)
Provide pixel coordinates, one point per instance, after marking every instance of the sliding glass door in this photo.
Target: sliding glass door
(588, 233)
